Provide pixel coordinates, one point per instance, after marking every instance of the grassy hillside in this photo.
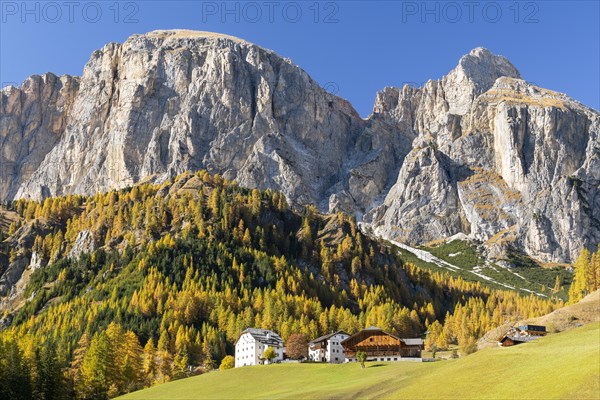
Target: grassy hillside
(584, 312)
(564, 365)
(525, 276)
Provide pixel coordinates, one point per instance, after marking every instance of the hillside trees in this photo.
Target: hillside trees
(49, 382)
(176, 271)
(15, 375)
(149, 366)
(587, 275)
(97, 362)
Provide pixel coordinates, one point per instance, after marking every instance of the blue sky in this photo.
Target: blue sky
(354, 48)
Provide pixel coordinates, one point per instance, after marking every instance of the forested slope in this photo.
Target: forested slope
(135, 287)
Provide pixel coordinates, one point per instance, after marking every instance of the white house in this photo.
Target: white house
(252, 343)
(328, 348)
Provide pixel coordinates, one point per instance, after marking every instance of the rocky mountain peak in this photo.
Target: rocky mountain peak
(505, 153)
(479, 152)
(482, 67)
(475, 74)
(169, 101)
(481, 61)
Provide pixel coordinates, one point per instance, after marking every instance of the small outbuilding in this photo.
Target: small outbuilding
(521, 334)
(510, 340)
(533, 330)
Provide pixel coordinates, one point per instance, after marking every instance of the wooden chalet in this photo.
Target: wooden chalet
(381, 346)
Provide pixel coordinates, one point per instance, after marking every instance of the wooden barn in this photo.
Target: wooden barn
(521, 334)
(381, 346)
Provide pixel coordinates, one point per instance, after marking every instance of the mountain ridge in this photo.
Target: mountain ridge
(165, 102)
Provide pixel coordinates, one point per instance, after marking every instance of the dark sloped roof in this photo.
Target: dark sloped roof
(376, 329)
(325, 337)
(522, 339)
(373, 328)
(538, 328)
(413, 342)
(265, 336)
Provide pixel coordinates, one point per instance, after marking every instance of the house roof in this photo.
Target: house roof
(410, 342)
(369, 331)
(264, 336)
(376, 329)
(538, 328)
(373, 328)
(522, 339)
(413, 342)
(326, 337)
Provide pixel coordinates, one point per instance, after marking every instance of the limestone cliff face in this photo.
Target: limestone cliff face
(506, 162)
(170, 101)
(33, 119)
(479, 151)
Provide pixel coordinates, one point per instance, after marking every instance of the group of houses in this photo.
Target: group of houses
(521, 334)
(337, 347)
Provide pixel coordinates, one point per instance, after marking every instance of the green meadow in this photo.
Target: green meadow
(560, 366)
